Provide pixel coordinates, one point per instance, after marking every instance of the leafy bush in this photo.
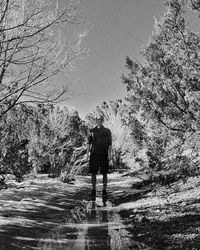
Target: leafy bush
(67, 175)
(55, 138)
(53, 135)
(16, 160)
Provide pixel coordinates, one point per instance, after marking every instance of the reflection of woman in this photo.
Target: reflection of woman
(97, 236)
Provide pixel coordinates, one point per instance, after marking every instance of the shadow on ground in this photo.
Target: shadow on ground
(166, 227)
(44, 213)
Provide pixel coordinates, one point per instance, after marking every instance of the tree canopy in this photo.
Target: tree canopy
(166, 86)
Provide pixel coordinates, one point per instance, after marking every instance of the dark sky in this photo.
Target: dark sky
(119, 28)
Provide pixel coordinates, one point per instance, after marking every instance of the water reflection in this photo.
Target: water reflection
(92, 226)
(97, 237)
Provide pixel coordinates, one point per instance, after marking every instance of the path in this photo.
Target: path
(45, 213)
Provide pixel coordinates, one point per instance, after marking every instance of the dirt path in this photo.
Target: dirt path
(45, 213)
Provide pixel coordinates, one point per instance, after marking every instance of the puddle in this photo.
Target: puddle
(62, 218)
(94, 225)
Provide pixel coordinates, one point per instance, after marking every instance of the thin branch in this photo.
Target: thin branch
(4, 13)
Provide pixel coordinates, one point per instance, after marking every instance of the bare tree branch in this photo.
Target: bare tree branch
(34, 46)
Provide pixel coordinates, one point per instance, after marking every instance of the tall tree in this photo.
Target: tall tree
(34, 46)
(166, 87)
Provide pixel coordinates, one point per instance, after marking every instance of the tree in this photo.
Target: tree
(195, 4)
(40, 139)
(54, 136)
(34, 47)
(15, 134)
(165, 88)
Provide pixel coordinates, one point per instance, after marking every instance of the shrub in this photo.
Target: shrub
(16, 160)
